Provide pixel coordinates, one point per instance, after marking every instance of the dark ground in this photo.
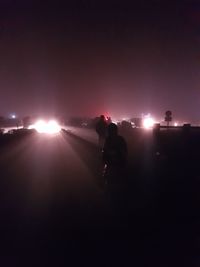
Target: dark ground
(54, 210)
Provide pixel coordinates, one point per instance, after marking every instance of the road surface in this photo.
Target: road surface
(88, 134)
(46, 182)
(54, 210)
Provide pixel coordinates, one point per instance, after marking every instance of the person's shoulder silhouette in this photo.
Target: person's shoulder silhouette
(101, 125)
(115, 148)
(101, 129)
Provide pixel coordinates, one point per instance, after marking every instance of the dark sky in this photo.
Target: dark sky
(90, 57)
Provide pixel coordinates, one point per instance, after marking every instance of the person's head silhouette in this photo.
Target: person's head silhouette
(102, 117)
(112, 129)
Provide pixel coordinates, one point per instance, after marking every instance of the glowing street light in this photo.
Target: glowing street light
(148, 122)
(13, 116)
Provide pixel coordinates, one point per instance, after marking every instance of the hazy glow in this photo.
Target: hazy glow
(53, 127)
(175, 124)
(148, 123)
(50, 127)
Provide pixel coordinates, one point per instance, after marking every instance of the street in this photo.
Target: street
(45, 179)
(54, 208)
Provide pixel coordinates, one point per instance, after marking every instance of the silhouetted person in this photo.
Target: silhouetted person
(101, 129)
(115, 173)
(109, 120)
(114, 156)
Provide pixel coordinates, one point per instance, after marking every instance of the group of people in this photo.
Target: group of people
(114, 150)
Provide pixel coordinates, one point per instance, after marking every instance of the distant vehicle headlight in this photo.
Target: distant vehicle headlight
(50, 127)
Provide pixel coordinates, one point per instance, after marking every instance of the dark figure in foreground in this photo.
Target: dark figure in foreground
(114, 157)
(101, 129)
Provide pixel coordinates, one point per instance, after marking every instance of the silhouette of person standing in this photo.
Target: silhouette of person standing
(114, 156)
(109, 120)
(101, 129)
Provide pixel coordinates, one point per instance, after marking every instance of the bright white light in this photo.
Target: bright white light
(40, 126)
(148, 123)
(50, 127)
(31, 126)
(175, 124)
(53, 127)
(13, 116)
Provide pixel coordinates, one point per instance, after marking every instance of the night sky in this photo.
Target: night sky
(93, 57)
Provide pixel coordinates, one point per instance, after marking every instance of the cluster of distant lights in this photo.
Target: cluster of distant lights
(149, 122)
(52, 126)
(46, 127)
